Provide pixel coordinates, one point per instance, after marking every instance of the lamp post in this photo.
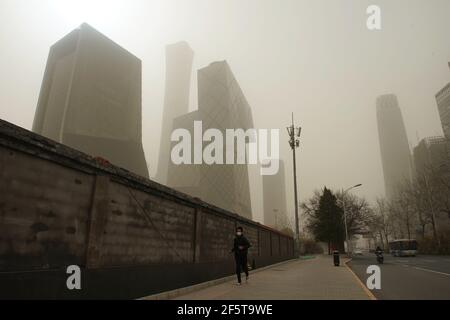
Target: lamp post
(294, 142)
(345, 217)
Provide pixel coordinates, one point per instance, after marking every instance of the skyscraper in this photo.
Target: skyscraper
(222, 105)
(443, 103)
(429, 155)
(90, 99)
(274, 197)
(394, 147)
(179, 58)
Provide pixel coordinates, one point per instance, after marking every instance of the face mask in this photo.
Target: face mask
(239, 233)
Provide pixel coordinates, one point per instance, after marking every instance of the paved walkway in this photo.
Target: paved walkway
(315, 278)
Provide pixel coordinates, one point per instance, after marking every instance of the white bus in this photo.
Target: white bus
(403, 248)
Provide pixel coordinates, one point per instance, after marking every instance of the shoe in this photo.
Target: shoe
(238, 284)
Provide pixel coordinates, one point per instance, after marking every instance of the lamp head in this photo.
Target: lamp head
(290, 130)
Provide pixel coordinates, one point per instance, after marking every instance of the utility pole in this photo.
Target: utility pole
(294, 142)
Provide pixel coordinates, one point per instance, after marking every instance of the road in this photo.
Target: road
(408, 278)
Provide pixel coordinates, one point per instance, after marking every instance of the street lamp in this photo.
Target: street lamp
(294, 142)
(345, 216)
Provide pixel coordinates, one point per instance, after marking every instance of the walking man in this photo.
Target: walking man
(240, 249)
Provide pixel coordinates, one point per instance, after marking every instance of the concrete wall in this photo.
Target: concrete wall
(130, 236)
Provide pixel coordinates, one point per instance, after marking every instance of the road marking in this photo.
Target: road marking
(400, 264)
(367, 291)
(443, 273)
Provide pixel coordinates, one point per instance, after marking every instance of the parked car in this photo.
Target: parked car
(358, 252)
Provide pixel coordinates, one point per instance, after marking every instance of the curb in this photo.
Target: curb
(182, 291)
(367, 291)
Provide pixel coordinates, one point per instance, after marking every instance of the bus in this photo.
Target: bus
(403, 248)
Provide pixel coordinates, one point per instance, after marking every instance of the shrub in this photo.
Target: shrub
(309, 246)
(428, 245)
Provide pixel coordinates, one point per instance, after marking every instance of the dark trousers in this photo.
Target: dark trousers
(241, 265)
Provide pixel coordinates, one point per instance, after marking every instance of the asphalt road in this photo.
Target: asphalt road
(407, 278)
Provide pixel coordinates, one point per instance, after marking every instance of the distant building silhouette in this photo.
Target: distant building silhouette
(179, 58)
(443, 103)
(429, 155)
(394, 147)
(274, 197)
(90, 99)
(222, 105)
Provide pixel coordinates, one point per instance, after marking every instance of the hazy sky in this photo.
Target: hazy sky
(315, 58)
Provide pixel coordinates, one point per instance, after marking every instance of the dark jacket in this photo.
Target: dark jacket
(240, 241)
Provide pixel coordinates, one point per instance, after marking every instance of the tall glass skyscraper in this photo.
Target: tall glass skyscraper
(429, 155)
(179, 58)
(221, 105)
(443, 102)
(90, 99)
(394, 147)
(274, 196)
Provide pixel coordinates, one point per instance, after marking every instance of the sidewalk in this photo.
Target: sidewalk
(310, 279)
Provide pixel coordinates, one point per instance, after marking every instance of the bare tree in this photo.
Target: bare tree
(311, 205)
(381, 222)
(403, 209)
(358, 211)
(415, 194)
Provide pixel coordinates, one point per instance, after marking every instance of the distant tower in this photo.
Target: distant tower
(395, 153)
(274, 196)
(443, 103)
(90, 99)
(179, 58)
(222, 105)
(430, 154)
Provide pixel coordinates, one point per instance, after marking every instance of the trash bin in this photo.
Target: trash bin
(336, 258)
